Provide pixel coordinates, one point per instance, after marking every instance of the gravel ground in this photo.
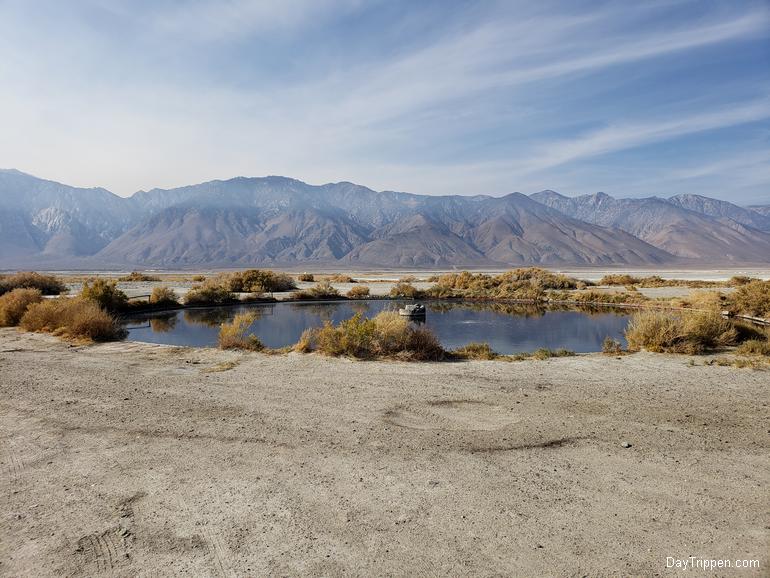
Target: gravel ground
(130, 459)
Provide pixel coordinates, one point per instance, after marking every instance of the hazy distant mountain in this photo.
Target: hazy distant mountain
(277, 221)
(723, 209)
(761, 209)
(44, 218)
(668, 226)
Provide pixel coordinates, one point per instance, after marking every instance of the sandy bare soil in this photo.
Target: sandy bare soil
(130, 459)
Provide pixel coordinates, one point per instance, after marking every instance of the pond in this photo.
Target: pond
(508, 328)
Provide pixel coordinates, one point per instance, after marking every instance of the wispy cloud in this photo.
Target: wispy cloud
(436, 97)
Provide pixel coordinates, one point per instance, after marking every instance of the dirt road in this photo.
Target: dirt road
(130, 459)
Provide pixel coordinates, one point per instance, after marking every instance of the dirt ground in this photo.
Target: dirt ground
(130, 459)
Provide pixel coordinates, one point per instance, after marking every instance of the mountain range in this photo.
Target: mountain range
(278, 221)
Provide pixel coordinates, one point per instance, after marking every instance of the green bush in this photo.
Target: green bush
(256, 281)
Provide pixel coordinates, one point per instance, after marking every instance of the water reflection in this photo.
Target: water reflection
(507, 327)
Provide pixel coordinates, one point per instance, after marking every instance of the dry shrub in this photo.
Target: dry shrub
(255, 281)
(358, 292)
(306, 277)
(619, 279)
(545, 353)
(405, 291)
(163, 296)
(14, 304)
(524, 283)
(611, 346)
(209, 293)
(476, 351)
(233, 335)
(679, 333)
(408, 279)
(754, 347)
(340, 278)
(105, 293)
(387, 335)
(198, 278)
(306, 342)
(321, 290)
(710, 300)
(738, 280)
(753, 298)
(137, 276)
(46, 284)
(591, 296)
(72, 318)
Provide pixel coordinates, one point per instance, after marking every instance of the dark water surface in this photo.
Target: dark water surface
(507, 328)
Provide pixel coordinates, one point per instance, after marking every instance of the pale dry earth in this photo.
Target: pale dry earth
(129, 459)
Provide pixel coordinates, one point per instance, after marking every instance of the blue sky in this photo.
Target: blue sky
(631, 98)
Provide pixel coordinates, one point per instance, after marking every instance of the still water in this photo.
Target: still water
(507, 328)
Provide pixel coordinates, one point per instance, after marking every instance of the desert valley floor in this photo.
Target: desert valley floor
(133, 459)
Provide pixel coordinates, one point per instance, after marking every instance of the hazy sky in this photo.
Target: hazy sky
(630, 98)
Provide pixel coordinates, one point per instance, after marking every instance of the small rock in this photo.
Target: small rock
(625, 445)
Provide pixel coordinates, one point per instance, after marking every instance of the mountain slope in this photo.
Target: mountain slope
(722, 209)
(39, 217)
(278, 221)
(668, 226)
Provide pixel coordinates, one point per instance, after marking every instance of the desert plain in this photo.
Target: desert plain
(129, 459)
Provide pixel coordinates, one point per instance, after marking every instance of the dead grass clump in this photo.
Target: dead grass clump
(340, 278)
(198, 278)
(526, 283)
(544, 353)
(619, 279)
(386, 335)
(754, 347)
(481, 351)
(163, 296)
(689, 333)
(76, 318)
(611, 346)
(46, 284)
(358, 292)
(710, 300)
(405, 291)
(306, 342)
(209, 294)
(256, 281)
(753, 298)
(14, 304)
(105, 293)
(321, 290)
(233, 335)
(138, 276)
(738, 280)
(592, 296)
(306, 277)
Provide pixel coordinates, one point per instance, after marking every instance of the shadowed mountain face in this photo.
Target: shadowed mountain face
(687, 226)
(276, 221)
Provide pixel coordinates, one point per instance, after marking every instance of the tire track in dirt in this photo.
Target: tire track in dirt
(212, 544)
(103, 551)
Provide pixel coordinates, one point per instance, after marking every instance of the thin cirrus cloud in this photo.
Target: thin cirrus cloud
(440, 97)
